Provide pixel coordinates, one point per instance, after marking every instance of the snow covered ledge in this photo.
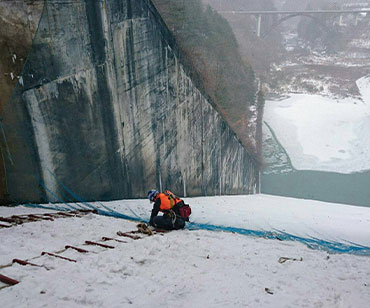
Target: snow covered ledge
(328, 226)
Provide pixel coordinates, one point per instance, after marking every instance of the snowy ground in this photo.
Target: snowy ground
(323, 133)
(304, 219)
(191, 268)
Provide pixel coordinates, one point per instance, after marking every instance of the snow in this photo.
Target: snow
(360, 43)
(324, 133)
(191, 268)
(301, 218)
(363, 85)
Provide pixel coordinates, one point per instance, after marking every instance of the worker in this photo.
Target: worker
(170, 205)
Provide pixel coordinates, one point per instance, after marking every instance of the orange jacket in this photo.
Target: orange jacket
(167, 202)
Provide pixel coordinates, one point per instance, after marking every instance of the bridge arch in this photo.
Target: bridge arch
(285, 18)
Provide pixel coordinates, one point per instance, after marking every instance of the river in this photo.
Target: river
(288, 140)
(351, 188)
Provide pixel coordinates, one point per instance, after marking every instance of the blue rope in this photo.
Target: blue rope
(77, 197)
(314, 243)
(119, 215)
(54, 207)
(54, 195)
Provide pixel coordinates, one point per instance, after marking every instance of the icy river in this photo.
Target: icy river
(318, 147)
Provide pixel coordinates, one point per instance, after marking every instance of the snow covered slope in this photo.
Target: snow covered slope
(328, 226)
(187, 268)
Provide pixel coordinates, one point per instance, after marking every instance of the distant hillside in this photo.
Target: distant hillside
(327, 32)
(259, 52)
(209, 44)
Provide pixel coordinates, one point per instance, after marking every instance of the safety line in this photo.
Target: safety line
(74, 195)
(313, 243)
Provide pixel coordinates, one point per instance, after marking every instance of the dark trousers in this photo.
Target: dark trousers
(165, 222)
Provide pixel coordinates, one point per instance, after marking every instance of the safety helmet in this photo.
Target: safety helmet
(151, 194)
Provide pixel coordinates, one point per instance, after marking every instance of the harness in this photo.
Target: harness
(170, 205)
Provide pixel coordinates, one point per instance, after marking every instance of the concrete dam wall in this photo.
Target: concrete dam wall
(105, 109)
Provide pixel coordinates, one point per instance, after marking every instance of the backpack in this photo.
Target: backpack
(184, 209)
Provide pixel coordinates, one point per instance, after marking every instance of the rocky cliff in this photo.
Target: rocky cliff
(106, 110)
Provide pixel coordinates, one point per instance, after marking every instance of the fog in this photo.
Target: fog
(324, 59)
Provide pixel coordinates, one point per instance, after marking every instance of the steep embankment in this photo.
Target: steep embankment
(106, 111)
(209, 45)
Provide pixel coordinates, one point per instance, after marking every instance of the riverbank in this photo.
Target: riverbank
(317, 129)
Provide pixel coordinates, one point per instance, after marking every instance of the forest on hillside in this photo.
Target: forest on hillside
(208, 43)
(327, 32)
(260, 52)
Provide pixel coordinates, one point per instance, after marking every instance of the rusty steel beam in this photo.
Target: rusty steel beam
(76, 248)
(8, 280)
(24, 262)
(112, 239)
(98, 244)
(57, 256)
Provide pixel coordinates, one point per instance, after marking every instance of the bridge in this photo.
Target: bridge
(291, 14)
